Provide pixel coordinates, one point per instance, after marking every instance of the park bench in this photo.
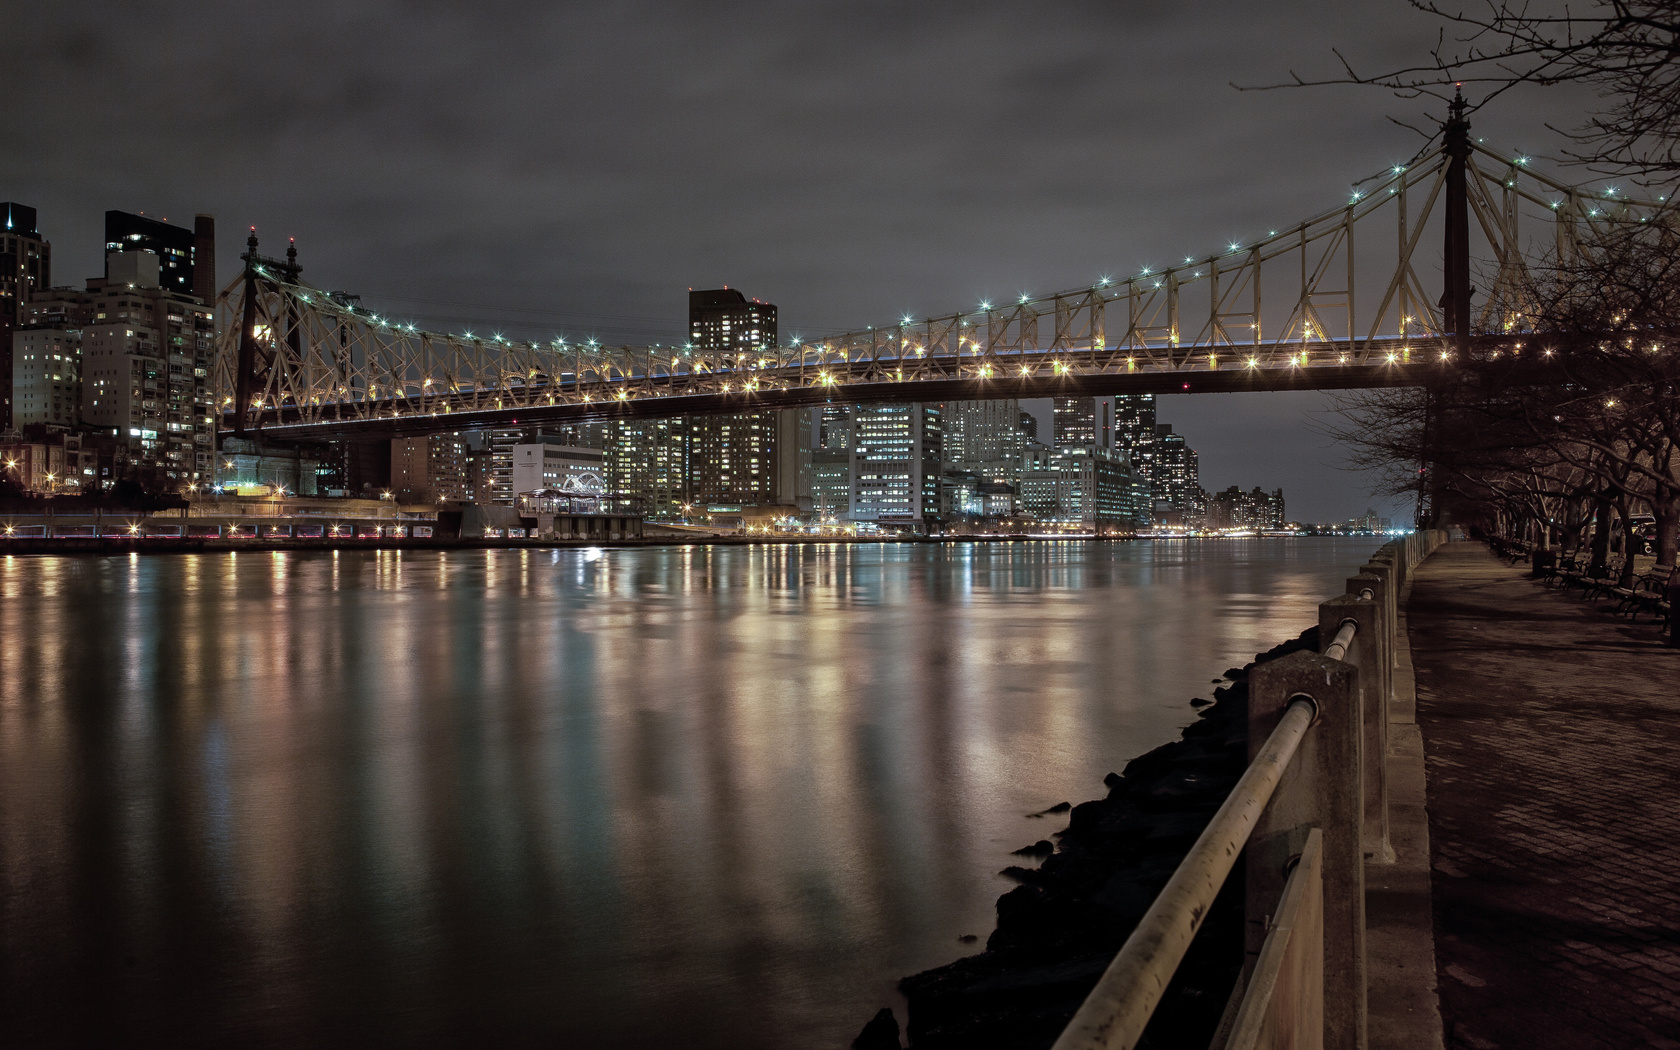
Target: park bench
(1512, 550)
(1569, 568)
(1649, 591)
(1603, 582)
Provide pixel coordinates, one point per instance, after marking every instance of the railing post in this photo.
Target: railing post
(1386, 569)
(1322, 788)
(1369, 651)
(1399, 554)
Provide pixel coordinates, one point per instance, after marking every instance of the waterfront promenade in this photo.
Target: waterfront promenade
(1550, 729)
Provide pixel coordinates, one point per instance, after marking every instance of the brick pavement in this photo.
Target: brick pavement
(1552, 738)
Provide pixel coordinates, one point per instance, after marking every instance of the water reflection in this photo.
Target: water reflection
(704, 796)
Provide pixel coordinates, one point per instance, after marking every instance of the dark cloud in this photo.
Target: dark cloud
(574, 168)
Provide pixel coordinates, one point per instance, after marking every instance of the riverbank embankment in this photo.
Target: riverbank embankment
(1549, 727)
(1062, 925)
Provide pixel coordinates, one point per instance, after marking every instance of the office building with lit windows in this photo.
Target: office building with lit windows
(722, 320)
(1134, 422)
(25, 269)
(1236, 509)
(1086, 489)
(731, 459)
(1176, 476)
(647, 461)
(897, 454)
(1073, 422)
(146, 358)
(984, 438)
(687, 467)
(430, 469)
(186, 258)
(46, 376)
(831, 464)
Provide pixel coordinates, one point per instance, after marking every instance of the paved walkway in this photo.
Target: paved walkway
(1552, 735)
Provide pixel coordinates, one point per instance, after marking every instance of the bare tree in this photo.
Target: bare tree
(1589, 421)
(1628, 51)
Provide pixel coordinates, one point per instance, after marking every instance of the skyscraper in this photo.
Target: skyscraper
(25, 268)
(723, 320)
(1074, 420)
(732, 459)
(204, 257)
(430, 469)
(896, 460)
(177, 250)
(1176, 477)
(983, 437)
(683, 467)
(1134, 427)
(741, 459)
(647, 460)
(146, 359)
(831, 463)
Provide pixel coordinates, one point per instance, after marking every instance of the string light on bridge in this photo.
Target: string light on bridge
(1152, 320)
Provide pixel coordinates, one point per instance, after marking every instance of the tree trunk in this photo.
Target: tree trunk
(1625, 514)
(1667, 512)
(1601, 535)
(1574, 524)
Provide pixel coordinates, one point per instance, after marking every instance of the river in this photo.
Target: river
(682, 796)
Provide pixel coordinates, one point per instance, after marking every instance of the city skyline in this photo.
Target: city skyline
(1138, 501)
(467, 238)
(1107, 466)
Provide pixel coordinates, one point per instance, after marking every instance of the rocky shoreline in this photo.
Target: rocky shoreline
(1060, 927)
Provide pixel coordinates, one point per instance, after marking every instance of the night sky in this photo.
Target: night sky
(542, 169)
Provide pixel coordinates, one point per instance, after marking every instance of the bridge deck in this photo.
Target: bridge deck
(386, 419)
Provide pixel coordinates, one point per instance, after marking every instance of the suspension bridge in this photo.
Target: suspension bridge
(296, 362)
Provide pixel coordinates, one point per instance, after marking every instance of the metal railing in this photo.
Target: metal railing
(1337, 649)
(1120, 1006)
(1307, 815)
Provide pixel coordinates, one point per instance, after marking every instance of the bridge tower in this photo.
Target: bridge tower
(1455, 255)
(252, 359)
(247, 360)
(1455, 297)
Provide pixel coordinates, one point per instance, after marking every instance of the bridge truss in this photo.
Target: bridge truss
(301, 362)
